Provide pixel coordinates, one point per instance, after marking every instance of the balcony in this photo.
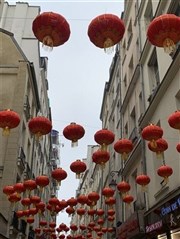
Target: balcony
(21, 160)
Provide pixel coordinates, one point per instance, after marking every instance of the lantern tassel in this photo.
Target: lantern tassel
(6, 131)
(169, 46)
(74, 144)
(47, 43)
(108, 46)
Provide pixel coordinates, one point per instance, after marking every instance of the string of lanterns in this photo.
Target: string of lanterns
(28, 193)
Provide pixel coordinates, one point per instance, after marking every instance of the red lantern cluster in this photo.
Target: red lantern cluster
(106, 30)
(104, 137)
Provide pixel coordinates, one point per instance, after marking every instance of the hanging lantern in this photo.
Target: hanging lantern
(63, 204)
(111, 212)
(165, 171)
(19, 188)
(161, 146)
(123, 147)
(100, 157)
(40, 206)
(123, 187)
(174, 120)
(43, 223)
(110, 218)
(42, 181)
(91, 224)
(20, 214)
(40, 126)
(100, 212)
(51, 29)
(59, 174)
(62, 226)
(72, 202)
(73, 227)
(62, 236)
(82, 227)
(70, 210)
(110, 201)
(26, 202)
(73, 132)
(78, 167)
(91, 212)
(14, 197)
(80, 211)
(104, 229)
(110, 229)
(107, 192)
(8, 190)
(35, 200)
(53, 201)
(30, 185)
(128, 199)
(30, 220)
(143, 180)
(100, 234)
(82, 199)
(93, 197)
(100, 221)
(178, 147)
(33, 211)
(104, 137)
(52, 224)
(105, 31)
(8, 120)
(37, 230)
(152, 133)
(164, 32)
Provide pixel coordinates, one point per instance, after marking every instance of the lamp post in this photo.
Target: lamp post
(113, 182)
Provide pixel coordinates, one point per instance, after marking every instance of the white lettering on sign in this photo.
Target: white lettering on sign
(172, 207)
(154, 226)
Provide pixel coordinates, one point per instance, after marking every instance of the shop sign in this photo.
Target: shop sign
(171, 207)
(153, 227)
(129, 228)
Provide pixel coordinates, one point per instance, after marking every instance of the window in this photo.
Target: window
(131, 67)
(148, 15)
(129, 34)
(126, 130)
(154, 79)
(140, 104)
(133, 118)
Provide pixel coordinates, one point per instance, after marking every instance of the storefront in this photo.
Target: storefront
(163, 222)
(132, 228)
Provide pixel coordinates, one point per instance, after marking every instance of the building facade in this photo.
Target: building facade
(24, 89)
(144, 88)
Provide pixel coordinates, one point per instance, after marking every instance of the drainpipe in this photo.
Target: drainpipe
(143, 161)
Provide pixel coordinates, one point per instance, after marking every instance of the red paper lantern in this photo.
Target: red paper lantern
(33, 211)
(19, 188)
(110, 218)
(123, 147)
(72, 202)
(62, 236)
(40, 126)
(63, 204)
(165, 171)
(14, 197)
(161, 146)
(82, 227)
(111, 212)
(110, 229)
(93, 197)
(100, 234)
(30, 220)
(26, 202)
(100, 157)
(52, 224)
(40, 206)
(8, 190)
(30, 185)
(43, 223)
(80, 211)
(82, 199)
(35, 199)
(100, 221)
(42, 181)
(104, 137)
(107, 192)
(164, 31)
(174, 119)
(178, 147)
(70, 210)
(73, 132)
(73, 227)
(152, 133)
(123, 187)
(91, 224)
(104, 229)
(106, 30)
(8, 120)
(20, 213)
(100, 212)
(37, 230)
(143, 180)
(59, 174)
(91, 212)
(78, 167)
(110, 201)
(62, 226)
(128, 199)
(51, 29)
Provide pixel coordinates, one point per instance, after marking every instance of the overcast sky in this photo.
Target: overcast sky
(77, 72)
